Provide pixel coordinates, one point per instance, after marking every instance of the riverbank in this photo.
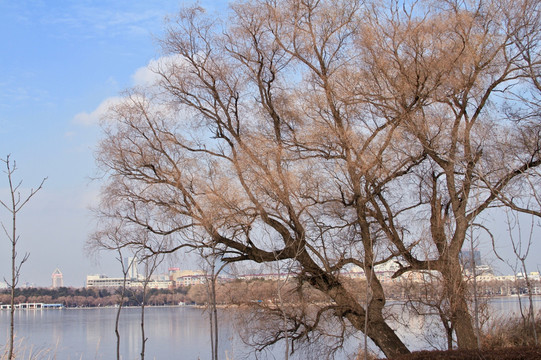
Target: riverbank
(511, 353)
(227, 294)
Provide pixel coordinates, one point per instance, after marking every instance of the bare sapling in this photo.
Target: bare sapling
(113, 238)
(521, 249)
(14, 206)
(212, 269)
(150, 263)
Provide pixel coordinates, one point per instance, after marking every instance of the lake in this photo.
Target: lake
(172, 332)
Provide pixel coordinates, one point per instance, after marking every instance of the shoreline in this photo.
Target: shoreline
(536, 297)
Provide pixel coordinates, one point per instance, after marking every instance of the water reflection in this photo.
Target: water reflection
(174, 332)
(89, 333)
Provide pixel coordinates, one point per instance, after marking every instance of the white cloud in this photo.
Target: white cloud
(145, 76)
(94, 117)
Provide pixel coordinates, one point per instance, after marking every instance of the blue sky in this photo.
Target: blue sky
(59, 61)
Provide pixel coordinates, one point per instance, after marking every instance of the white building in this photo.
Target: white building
(104, 282)
(532, 276)
(186, 277)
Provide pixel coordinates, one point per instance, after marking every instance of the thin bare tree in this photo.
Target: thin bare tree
(150, 263)
(521, 249)
(212, 269)
(114, 238)
(14, 206)
(473, 269)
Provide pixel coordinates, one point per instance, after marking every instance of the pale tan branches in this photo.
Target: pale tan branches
(310, 323)
(328, 134)
(445, 84)
(258, 168)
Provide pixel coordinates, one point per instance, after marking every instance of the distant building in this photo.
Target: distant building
(533, 276)
(57, 279)
(186, 277)
(104, 282)
(133, 272)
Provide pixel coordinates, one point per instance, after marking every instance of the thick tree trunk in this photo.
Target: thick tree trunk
(460, 314)
(386, 339)
(465, 333)
(381, 334)
(377, 330)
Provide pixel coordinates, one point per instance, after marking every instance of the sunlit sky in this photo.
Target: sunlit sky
(60, 64)
(61, 60)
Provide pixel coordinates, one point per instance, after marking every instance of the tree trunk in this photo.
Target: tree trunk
(143, 338)
(380, 333)
(215, 317)
(117, 318)
(12, 297)
(378, 329)
(386, 339)
(460, 314)
(531, 313)
(117, 332)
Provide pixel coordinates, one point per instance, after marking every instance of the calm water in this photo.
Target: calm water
(510, 306)
(172, 332)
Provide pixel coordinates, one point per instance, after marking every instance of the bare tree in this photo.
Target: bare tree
(258, 171)
(14, 206)
(521, 249)
(343, 129)
(150, 263)
(212, 269)
(473, 263)
(113, 238)
(453, 113)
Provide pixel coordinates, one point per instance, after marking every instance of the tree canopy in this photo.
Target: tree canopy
(332, 134)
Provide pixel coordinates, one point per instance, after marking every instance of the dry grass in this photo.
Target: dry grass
(505, 339)
(516, 353)
(507, 332)
(25, 351)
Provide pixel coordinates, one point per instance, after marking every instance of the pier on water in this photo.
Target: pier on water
(32, 306)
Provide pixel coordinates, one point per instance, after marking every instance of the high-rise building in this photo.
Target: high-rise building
(133, 273)
(57, 279)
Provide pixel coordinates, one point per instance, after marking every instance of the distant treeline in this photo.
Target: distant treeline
(237, 292)
(88, 297)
